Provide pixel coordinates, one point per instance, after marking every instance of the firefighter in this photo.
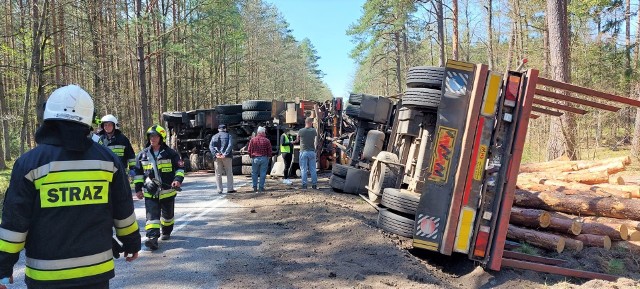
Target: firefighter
(159, 170)
(64, 198)
(286, 150)
(111, 137)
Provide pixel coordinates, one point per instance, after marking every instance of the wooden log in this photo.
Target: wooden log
(539, 239)
(616, 232)
(610, 168)
(580, 177)
(561, 166)
(630, 224)
(632, 190)
(617, 179)
(581, 165)
(616, 229)
(631, 246)
(579, 205)
(569, 188)
(530, 218)
(573, 244)
(634, 235)
(563, 224)
(599, 241)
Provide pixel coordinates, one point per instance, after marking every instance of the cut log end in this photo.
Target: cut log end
(634, 236)
(545, 219)
(576, 228)
(562, 242)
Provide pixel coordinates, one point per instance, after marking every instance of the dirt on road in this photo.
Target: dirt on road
(323, 239)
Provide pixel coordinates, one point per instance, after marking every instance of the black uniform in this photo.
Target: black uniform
(159, 203)
(64, 198)
(120, 145)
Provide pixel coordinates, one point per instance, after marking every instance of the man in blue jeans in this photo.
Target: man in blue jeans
(307, 140)
(260, 151)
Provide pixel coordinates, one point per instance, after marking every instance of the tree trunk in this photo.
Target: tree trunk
(536, 238)
(454, 37)
(141, 67)
(489, 8)
(573, 244)
(5, 129)
(616, 232)
(562, 131)
(599, 241)
(530, 218)
(578, 176)
(440, 20)
(564, 224)
(580, 205)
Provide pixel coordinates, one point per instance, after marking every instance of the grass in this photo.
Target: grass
(525, 248)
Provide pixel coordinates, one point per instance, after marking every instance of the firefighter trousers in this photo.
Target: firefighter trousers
(159, 216)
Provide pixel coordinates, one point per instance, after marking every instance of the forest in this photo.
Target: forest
(139, 58)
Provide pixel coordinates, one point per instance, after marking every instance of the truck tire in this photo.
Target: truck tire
(195, 165)
(353, 111)
(246, 170)
(229, 118)
(339, 170)
(400, 201)
(229, 108)
(236, 170)
(246, 160)
(394, 223)
(382, 176)
(373, 144)
(256, 115)
(425, 77)
(257, 105)
(355, 98)
(236, 160)
(422, 98)
(337, 183)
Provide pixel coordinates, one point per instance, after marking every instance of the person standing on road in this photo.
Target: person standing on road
(64, 198)
(111, 137)
(221, 147)
(160, 171)
(307, 140)
(286, 150)
(260, 151)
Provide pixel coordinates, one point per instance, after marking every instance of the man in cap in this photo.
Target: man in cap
(221, 147)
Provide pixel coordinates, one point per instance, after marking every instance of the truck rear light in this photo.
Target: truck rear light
(482, 240)
(511, 92)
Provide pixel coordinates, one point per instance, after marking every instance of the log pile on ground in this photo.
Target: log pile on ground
(567, 205)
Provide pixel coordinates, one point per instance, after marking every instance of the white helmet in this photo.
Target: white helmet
(109, 118)
(70, 103)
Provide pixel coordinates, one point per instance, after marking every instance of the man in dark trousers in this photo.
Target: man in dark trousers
(160, 171)
(286, 150)
(64, 198)
(221, 147)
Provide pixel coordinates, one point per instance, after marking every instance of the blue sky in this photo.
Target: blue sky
(325, 22)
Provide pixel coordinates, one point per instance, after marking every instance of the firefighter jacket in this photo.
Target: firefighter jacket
(120, 145)
(64, 198)
(170, 167)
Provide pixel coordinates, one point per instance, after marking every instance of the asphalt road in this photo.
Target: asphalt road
(198, 245)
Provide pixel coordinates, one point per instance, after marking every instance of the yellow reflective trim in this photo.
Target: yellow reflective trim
(465, 226)
(78, 176)
(167, 223)
(491, 96)
(74, 194)
(147, 195)
(180, 173)
(152, 226)
(127, 230)
(10, 247)
(425, 245)
(137, 181)
(167, 194)
(147, 167)
(65, 274)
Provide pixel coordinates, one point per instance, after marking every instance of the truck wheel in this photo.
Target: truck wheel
(355, 98)
(400, 200)
(208, 161)
(422, 98)
(195, 165)
(236, 170)
(394, 223)
(246, 170)
(382, 176)
(236, 160)
(229, 118)
(373, 144)
(256, 115)
(258, 105)
(353, 110)
(425, 77)
(229, 108)
(339, 170)
(246, 160)
(336, 183)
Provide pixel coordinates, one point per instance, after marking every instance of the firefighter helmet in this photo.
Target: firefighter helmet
(109, 118)
(157, 130)
(70, 103)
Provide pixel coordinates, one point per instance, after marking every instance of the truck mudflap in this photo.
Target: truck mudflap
(497, 166)
(475, 172)
(436, 195)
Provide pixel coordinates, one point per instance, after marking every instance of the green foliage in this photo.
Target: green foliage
(615, 267)
(528, 249)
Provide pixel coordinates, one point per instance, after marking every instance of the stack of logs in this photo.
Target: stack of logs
(564, 204)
